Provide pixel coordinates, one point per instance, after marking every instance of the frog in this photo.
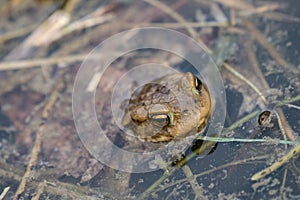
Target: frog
(169, 108)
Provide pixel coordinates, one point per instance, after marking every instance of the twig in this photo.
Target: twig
(284, 126)
(236, 4)
(241, 121)
(276, 165)
(44, 33)
(48, 29)
(25, 64)
(17, 33)
(179, 25)
(282, 193)
(180, 19)
(239, 162)
(40, 36)
(52, 186)
(70, 5)
(252, 59)
(273, 141)
(92, 19)
(39, 191)
(259, 10)
(37, 145)
(232, 18)
(243, 78)
(173, 170)
(293, 106)
(281, 17)
(82, 24)
(199, 192)
(218, 14)
(287, 101)
(4, 193)
(260, 38)
(221, 49)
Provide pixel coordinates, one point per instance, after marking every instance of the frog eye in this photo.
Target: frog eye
(160, 120)
(198, 84)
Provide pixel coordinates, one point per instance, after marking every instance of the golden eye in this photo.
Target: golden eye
(198, 83)
(160, 120)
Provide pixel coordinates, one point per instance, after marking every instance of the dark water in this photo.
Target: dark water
(223, 174)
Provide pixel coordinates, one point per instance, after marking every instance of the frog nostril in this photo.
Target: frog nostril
(164, 90)
(185, 112)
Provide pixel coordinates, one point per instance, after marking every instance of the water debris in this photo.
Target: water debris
(4, 192)
(291, 154)
(264, 118)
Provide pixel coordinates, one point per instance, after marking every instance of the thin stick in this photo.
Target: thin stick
(293, 106)
(180, 25)
(272, 141)
(281, 17)
(259, 10)
(17, 33)
(37, 145)
(283, 183)
(276, 165)
(39, 191)
(4, 193)
(83, 24)
(287, 101)
(52, 186)
(236, 4)
(252, 59)
(154, 185)
(214, 169)
(191, 178)
(284, 125)
(180, 19)
(241, 121)
(25, 64)
(173, 170)
(243, 78)
(260, 38)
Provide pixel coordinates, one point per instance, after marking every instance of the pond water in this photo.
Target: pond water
(57, 143)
